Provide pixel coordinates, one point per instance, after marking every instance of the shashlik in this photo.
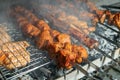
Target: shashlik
(112, 18)
(27, 28)
(60, 25)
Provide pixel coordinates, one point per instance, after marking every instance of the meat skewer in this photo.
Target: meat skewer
(62, 16)
(27, 28)
(79, 35)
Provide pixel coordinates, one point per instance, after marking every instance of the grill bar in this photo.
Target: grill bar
(105, 54)
(110, 28)
(113, 42)
(23, 73)
(107, 7)
(27, 67)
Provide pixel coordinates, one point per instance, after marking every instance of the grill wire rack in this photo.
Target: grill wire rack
(38, 58)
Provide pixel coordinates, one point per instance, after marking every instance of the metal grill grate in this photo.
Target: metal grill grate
(38, 59)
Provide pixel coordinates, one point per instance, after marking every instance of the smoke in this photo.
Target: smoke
(5, 6)
(69, 7)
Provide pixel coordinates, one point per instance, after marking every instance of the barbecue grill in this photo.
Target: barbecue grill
(43, 68)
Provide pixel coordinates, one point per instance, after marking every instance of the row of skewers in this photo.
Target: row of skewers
(58, 45)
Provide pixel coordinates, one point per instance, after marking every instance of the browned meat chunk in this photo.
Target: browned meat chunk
(66, 58)
(42, 25)
(44, 39)
(116, 20)
(63, 38)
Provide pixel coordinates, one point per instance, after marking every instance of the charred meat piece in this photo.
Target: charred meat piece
(66, 58)
(44, 39)
(54, 48)
(81, 53)
(30, 30)
(54, 34)
(42, 25)
(116, 20)
(68, 46)
(63, 38)
(27, 28)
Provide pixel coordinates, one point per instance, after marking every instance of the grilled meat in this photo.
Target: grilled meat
(54, 48)
(116, 20)
(27, 28)
(14, 54)
(66, 58)
(63, 38)
(81, 36)
(54, 34)
(13, 46)
(12, 60)
(44, 39)
(42, 25)
(91, 43)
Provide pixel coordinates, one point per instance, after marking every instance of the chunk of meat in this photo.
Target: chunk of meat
(54, 34)
(44, 39)
(81, 53)
(116, 20)
(63, 38)
(42, 25)
(68, 46)
(13, 46)
(30, 30)
(27, 28)
(66, 58)
(54, 48)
